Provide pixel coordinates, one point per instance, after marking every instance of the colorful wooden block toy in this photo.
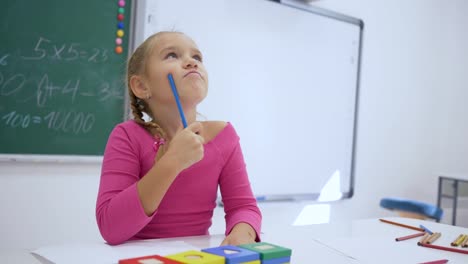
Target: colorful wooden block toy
(196, 257)
(155, 259)
(269, 253)
(256, 253)
(235, 255)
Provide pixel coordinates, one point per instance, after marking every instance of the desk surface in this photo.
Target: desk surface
(363, 241)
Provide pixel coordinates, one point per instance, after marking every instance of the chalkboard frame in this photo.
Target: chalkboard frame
(136, 8)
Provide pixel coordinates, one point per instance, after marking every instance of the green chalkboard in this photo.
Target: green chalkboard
(61, 81)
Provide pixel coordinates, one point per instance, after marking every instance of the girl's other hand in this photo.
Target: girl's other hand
(241, 233)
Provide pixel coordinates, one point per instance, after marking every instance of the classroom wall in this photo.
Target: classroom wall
(412, 126)
(412, 123)
(454, 124)
(413, 102)
(458, 149)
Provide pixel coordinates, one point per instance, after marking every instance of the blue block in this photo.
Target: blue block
(229, 253)
(277, 260)
(406, 205)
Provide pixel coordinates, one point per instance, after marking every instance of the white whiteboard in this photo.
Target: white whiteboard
(287, 79)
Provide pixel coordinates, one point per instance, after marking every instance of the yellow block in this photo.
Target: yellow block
(197, 257)
(252, 262)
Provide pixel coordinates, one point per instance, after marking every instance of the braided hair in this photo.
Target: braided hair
(137, 65)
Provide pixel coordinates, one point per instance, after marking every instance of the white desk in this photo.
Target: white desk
(301, 249)
(372, 241)
(368, 241)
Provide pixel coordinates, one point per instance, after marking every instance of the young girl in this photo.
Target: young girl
(160, 180)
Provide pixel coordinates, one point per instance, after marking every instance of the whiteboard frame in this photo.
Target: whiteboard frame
(301, 5)
(323, 12)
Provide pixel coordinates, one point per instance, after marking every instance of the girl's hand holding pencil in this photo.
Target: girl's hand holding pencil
(186, 148)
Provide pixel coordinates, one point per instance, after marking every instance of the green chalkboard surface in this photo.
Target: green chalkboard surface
(61, 81)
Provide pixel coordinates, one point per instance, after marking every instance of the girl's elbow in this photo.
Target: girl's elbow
(108, 233)
(111, 236)
(113, 241)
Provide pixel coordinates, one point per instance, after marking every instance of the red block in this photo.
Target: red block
(156, 259)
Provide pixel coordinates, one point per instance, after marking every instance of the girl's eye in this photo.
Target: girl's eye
(171, 55)
(198, 58)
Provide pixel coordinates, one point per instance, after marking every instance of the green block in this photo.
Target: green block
(267, 250)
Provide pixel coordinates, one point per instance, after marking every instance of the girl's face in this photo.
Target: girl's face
(177, 54)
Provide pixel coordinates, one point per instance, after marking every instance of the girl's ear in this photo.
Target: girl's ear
(139, 88)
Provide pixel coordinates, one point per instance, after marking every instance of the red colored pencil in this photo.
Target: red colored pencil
(456, 250)
(442, 261)
(402, 225)
(409, 237)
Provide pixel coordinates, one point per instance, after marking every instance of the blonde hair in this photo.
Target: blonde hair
(137, 66)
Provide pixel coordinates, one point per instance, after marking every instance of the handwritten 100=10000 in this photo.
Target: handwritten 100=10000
(66, 121)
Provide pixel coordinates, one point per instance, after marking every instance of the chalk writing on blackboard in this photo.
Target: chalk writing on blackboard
(47, 49)
(63, 121)
(3, 60)
(44, 90)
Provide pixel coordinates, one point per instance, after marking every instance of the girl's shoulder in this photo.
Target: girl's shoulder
(221, 134)
(132, 127)
(211, 129)
(132, 132)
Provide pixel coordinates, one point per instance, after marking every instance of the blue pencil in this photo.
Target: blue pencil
(176, 96)
(426, 229)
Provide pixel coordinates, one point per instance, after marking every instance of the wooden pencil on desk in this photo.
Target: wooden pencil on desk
(465, 242)
(458, 240)
(427, 238)
(424, 238)
(433, 238)
(402, 225)
(409, 237)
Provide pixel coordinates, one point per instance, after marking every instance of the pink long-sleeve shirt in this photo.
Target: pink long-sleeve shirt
(187, 207)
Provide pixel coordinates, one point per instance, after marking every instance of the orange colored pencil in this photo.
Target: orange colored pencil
(402, 225)
(433, 238)
(409, 237)
(424, 238)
